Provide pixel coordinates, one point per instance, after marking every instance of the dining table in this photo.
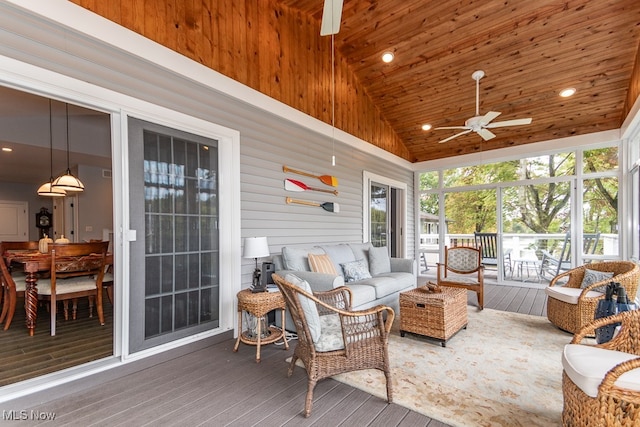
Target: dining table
(34, 263)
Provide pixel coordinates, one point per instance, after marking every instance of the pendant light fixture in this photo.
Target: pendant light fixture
(333, 102)
(68, 182)
(47, 189)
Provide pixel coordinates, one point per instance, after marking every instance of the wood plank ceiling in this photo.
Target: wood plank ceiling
(529, 50)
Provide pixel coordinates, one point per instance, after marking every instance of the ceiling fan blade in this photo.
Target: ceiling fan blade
(489, 117)
(516, 122)
(455, 136)
(485, 134)
(331, 16)
(453, 127)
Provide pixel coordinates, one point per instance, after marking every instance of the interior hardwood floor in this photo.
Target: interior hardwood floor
(76, 342)
(215, 386)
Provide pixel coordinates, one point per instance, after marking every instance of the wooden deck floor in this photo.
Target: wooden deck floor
(214, 386)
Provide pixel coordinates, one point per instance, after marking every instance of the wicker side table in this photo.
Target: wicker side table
(258, 305)
(436, 315)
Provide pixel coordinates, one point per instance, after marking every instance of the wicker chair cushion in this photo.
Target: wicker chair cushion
(586, 366)
(379, 261)
(322, 264)
(309, 307)
(459, 279)
(462, 259)
(67, 286)
(568, 295)
(594, 276)
(331, 337)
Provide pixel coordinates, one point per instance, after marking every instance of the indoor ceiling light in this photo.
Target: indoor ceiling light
(387, 57)
(68, 182)
(47, 189)
(565, 93)
(7, 149)
(426, 126)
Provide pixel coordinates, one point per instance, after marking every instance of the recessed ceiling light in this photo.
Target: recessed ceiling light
(426, 126)
(387, 57)
(565, 93)
(7, 149)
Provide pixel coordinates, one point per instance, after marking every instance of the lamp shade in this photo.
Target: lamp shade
(47, 189)
(255, 247)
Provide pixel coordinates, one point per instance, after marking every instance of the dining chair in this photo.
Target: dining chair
(77, 270)
(462, 268)
(12, 288)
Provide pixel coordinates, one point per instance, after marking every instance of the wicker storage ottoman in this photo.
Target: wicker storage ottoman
(436, 315)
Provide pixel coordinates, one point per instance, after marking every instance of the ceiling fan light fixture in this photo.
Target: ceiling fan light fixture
(426, 126)
(387, 57)
(565, 93)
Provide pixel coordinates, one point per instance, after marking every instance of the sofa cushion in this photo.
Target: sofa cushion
(587, 366)
(568, 295)
(594, 276)
(309, 308)
(361, 251)
(339, 254)
(322, 264)
(297, 258)
(379, 261)
(362, 294)
(389, 283)
(355, 270)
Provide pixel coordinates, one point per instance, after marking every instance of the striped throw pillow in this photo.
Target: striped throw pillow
(322, 264)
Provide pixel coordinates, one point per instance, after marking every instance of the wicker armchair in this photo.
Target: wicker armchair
(615, 401)
(570, 308)
(360, 338)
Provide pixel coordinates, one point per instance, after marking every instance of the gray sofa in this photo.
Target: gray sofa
(389, 276)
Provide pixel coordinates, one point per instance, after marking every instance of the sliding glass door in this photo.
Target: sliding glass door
(175, 259)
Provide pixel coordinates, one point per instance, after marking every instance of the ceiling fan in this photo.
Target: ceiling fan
(481, 124)
(331, 16)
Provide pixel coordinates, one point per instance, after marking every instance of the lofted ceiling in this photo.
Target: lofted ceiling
(529, 51)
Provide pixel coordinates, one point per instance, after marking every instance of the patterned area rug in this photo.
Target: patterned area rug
(503, 370)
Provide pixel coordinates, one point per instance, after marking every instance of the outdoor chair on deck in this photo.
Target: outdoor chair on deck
(601, 383)
(489, 244)
(553, 265)
(465, 262)
(572, 305)
(332, 339)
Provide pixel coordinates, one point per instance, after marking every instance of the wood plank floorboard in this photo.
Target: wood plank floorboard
(210, 387)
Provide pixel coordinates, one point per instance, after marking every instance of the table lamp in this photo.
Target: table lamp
(256, 247)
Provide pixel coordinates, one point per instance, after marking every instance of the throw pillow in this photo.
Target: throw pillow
(309, 308)
(379, 261)
(355, 270)
(322, 264)
(594, 276)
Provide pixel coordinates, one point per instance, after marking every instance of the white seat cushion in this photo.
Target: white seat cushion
(568, 295)
(66, 286)
(587, 366)
(21, 283)
(309, 308)
(331, 337)
(108, 277)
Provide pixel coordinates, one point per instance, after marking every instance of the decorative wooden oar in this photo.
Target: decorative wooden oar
(295, 185)
(327, 179)
(327, 206)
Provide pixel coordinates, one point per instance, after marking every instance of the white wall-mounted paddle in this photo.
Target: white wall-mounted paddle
(295, 185)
